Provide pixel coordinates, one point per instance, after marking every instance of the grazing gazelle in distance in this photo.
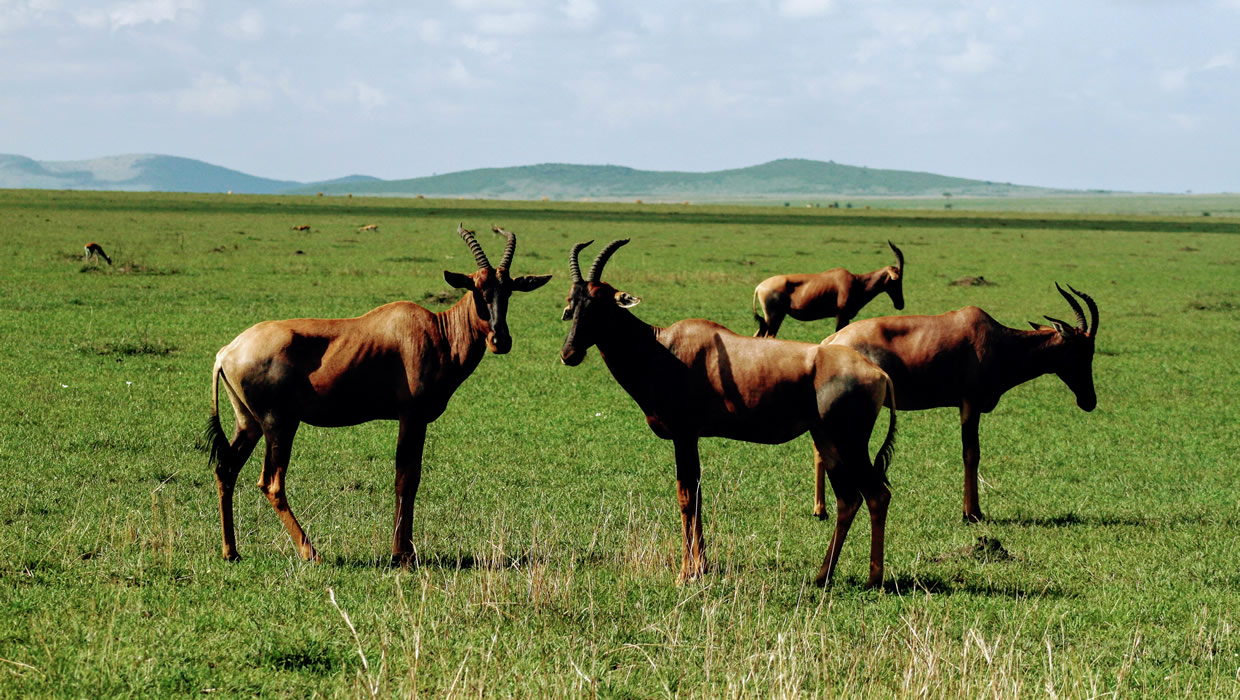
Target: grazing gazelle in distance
(836, 292)
(697, 379)
(94, 249)
(398, 362)
(967, 360)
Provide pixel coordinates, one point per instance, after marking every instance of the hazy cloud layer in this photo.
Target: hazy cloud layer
(1105, 94)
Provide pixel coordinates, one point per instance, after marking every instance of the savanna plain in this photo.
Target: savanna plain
(546, 527)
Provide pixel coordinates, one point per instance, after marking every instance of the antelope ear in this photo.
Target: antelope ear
(568, 313)
(627, 301)
(529, 283)
(1061, 327)
(458, 280)
(1036, 326)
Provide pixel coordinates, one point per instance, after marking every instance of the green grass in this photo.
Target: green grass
(546, 524)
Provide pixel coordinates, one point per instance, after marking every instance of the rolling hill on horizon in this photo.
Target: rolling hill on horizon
(793, 178)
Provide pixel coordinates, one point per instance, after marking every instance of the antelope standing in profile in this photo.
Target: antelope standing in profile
(698, 379)
(368, 227)
(967, 360)
(836, 292)
(398, 362)
(94, 249)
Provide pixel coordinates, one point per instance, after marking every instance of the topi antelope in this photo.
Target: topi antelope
(967, 360)
(836, 292)
(397, 362)
(94, 249)
(697, 379)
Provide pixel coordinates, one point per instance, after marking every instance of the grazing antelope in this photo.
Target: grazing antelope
(698, 379)
(94, 249)
(397, 362)
(836, 292)
(302, 227)
(967, 360)
(368, 227)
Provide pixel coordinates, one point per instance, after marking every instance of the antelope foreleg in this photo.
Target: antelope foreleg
(971, 452)
(408, 477)
(689, 495)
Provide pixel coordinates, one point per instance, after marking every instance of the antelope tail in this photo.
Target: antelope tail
(760, 318)
(217, 447)
(883, 458)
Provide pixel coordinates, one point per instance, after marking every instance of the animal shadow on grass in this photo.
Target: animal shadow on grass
(1112, 520)
(459, 561)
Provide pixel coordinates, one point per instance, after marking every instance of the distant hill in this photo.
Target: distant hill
(140, 173)
(779, 178)
(786, 178)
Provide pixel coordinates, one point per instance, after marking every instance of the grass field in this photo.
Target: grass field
(546, 525)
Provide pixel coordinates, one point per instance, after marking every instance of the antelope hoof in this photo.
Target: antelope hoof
(974, 517)
(231, 554)
(820, 512)
(403, 560)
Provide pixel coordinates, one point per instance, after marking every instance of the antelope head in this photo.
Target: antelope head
(592, 303)
(895, 279)
(1076, 366)
(492, 286)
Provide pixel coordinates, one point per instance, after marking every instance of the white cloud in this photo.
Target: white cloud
(798, 9)
(150, 11)
(1173, 80)
(214, 95)
(486, 47)
(1226, 59)
(1186, 122)
(977, 57)
(508, 23)
(249, 26)
(581, 12)
(430, 31)
(370, 97)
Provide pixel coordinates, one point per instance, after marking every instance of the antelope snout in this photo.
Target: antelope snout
(499, 344)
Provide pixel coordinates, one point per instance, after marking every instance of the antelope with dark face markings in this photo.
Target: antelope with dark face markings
(697, 379)
(967, 360)
(836, 292)
(398, 362)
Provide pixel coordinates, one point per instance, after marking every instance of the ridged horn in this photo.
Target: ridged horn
(1093, 312)
(596, 269)
(899, 256)
(479, 256)
(574, 267)
(505, 262)
(1076, 309)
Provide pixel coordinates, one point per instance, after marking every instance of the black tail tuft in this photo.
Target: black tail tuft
(883, 458)
(215, 442)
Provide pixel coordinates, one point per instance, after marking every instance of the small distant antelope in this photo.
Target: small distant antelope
(967, 360)
(398, 362)
(368, 227)
(836, 292)
(303, 227)
(94, 249)
(697, 379)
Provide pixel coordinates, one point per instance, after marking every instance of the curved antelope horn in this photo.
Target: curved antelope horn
(1093, 312)
(574, 267)
(899, 256)
(506, 261)
(1076, 309)
(479, 256)
(596, 269)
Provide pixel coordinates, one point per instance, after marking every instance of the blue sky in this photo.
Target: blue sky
(1137, 95)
